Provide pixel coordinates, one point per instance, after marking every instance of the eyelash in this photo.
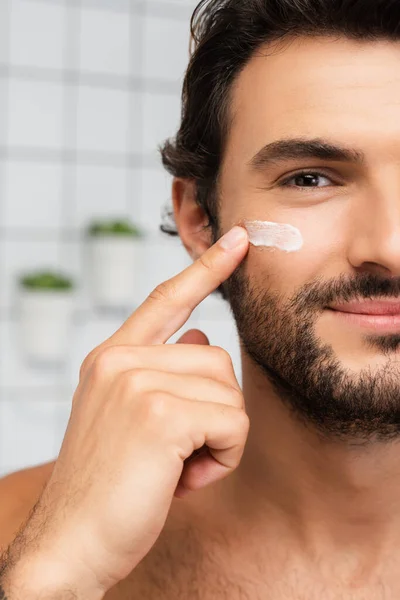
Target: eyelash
(302, 187)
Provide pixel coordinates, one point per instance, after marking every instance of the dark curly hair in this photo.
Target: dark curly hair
(224, 36)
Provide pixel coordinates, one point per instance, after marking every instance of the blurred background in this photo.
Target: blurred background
(88, 89)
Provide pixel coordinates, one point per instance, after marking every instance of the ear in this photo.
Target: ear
(190, 218)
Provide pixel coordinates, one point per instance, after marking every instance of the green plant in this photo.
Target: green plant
(46, 280)
(114, 227)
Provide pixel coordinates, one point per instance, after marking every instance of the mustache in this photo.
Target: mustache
(346, 288)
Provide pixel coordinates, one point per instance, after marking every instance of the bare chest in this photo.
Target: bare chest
(187, 565)
(255, 584)
(222, 589)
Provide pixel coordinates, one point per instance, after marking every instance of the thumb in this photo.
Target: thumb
(194, 336)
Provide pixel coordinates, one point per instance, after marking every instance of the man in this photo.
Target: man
(174, 482)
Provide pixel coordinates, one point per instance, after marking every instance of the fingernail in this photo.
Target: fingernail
(235, 237)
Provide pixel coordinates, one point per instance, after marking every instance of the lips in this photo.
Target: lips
(370, 307)
(376, 316)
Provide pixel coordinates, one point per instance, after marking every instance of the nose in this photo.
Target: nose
(375, 232)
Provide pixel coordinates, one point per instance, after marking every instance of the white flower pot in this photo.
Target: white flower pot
(45, 319)
(111, 271)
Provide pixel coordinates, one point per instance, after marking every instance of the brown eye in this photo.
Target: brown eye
(305, 179)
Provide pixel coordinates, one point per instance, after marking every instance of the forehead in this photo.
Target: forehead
(316, 86)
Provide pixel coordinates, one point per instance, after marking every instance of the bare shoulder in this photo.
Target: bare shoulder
(19, 492)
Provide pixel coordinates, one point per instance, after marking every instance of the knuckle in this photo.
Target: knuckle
(223, 356)
(106, 360)
(84, 367)
(134, 380)
(237, 394)
(158, 406)
(206, 262)
(164, 292)
(244, 422)
(103, 361)
(87, 363)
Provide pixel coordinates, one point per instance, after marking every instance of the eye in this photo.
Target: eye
(305, 179)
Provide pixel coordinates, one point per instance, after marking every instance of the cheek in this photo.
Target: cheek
(325, 232)
(323, 225)
(277, 271)
(287, 272)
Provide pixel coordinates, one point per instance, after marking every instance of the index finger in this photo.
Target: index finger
(171, 303)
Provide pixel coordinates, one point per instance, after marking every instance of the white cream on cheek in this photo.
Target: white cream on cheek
(276, 235)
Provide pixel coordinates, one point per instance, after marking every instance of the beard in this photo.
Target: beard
(279, 336)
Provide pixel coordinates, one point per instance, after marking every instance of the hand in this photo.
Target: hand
(140, 410)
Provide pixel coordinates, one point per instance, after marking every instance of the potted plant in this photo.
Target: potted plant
(111, 262)
(46, 307)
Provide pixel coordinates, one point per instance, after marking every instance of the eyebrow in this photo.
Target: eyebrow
(292, 148)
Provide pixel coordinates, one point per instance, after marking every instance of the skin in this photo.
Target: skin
(347, 514)
(141, 409)
(300, 515)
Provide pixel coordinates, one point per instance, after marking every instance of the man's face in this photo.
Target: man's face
(343, 376)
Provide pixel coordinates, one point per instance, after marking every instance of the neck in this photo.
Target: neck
(325, 493)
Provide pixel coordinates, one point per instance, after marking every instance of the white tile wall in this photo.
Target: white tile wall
(88, 90)
(27, 185)
(166, 52)
(104, 42)
(161, 114)
(103, 120)
(4, 30)
(26, 422)
(37, 34)
(35, 114)
(100, 190)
